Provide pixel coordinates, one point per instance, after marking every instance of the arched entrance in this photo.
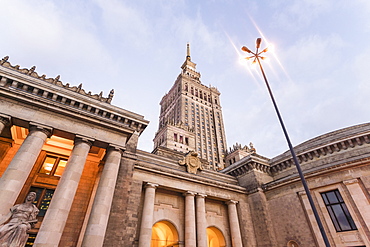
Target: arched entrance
(164, 234)
(215, 238)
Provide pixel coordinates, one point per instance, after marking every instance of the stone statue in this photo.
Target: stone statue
(252, 149)
(20, 219)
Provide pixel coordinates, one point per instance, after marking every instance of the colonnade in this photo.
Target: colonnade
(195, 219)
(17, 172)
(53, 224)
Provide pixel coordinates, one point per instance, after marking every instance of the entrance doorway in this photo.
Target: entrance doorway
(164, 234)
(215, 238)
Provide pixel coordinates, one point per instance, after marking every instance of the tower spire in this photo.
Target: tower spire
(188, 51)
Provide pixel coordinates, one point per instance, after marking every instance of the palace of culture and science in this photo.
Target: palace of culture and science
(191, 118)
(75, 155)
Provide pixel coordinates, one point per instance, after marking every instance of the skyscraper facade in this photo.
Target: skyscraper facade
(191, 117)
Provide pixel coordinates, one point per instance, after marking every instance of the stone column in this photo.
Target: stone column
(147, 216)
(236, 238)
(17, 172)
(98, 220)
(190, 230)
(4, 121)
(201, 220)
(56, 216)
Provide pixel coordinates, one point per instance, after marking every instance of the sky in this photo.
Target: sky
(318, 60)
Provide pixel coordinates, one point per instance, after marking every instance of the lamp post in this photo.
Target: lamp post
(256, 56)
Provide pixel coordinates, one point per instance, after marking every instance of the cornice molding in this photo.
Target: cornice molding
(31, 72)
(38, 93)
(274, 166)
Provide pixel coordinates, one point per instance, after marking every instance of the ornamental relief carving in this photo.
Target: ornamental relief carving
(192, 162)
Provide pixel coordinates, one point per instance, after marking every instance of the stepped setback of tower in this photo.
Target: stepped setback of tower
(191, 118)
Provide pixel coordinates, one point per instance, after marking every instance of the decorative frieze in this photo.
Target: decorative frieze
(64, 101)
(270, 167)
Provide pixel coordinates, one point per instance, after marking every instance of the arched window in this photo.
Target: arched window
(192, 90)
(164, 233)
(215, 238)
(186, 87)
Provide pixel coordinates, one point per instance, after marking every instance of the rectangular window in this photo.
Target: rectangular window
(338, 211)
(53, 166)
(175, 137)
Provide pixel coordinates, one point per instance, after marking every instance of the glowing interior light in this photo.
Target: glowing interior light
(48, 166)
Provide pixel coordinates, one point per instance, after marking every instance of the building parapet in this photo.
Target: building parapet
(31, 72)
(250, 162)
(27, 83)
(334, 142)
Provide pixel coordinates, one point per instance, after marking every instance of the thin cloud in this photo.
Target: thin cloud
(125, 23)
(297, 14)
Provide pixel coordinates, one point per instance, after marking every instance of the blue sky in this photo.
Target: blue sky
(320, 77)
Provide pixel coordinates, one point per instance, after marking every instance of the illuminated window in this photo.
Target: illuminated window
(338, 211)
(53, 166)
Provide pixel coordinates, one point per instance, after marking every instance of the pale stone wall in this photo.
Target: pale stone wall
(292, 217)
(288, 216)
(123, 221)
(171, 207)
(173, 182)
(217, 216)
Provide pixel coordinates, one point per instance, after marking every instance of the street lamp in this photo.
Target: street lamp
(256, 56)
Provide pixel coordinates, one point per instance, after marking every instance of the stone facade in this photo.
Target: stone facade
(95, 188)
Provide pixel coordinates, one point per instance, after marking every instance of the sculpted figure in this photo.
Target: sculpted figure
(20, 219)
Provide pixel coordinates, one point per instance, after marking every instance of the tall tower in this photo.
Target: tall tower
(191, 117)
